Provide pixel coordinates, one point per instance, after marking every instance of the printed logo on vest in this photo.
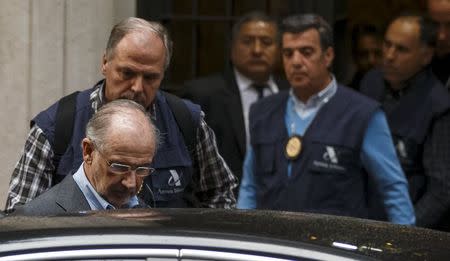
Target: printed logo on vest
(174, 179)
(174, 184)
(329, 161)
(330, 155)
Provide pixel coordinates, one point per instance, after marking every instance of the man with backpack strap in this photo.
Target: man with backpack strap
(136, 57)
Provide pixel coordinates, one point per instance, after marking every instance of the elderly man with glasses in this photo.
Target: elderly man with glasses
(118, 149)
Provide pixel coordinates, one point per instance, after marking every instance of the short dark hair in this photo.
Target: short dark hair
(303, 22)
(254, 16)
(427, 28)
(361, 30)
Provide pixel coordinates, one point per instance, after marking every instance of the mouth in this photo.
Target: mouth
(298, 74)
(257, 62)
(387, 69)
(125, 193)
(136, 97)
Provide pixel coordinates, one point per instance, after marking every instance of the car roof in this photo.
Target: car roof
(355, 237)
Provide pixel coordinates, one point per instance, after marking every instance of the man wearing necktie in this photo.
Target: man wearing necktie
(320, 147)
(260, 89)
(226, 97)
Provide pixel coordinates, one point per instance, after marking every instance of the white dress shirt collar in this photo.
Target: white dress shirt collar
(316, 101)
(245, 83)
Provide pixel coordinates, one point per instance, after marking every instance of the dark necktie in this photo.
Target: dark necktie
(260, 89)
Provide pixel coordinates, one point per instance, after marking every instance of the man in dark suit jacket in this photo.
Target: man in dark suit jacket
(118, 149)
(226, 97)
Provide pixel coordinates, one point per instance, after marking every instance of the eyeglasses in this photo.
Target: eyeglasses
(122, 169)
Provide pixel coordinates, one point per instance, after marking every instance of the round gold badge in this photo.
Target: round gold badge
(293, 147)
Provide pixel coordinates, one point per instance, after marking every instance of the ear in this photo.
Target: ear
(104, 62)
(88, 150)
(329, 56)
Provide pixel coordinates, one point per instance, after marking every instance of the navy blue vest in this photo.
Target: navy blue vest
(410, 120)
(170, 185)
(319, 183)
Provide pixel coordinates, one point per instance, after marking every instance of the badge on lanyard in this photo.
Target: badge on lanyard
(293, 147)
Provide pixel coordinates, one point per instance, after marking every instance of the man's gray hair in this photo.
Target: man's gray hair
(133, 24)
(303, 22)
(99, 125)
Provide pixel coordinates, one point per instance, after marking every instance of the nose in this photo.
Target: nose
(297, 59)
(138, 84)
(130, 180)
(389, 53)
(257, 47)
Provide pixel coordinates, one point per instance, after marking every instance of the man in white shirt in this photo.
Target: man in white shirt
(226, 97)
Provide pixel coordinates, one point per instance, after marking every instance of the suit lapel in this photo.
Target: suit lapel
(234, 107)
(70, 198)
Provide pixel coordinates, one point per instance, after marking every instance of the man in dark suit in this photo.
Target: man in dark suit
(118, 149)
(226, 97)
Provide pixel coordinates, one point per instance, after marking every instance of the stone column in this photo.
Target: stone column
(48, 48)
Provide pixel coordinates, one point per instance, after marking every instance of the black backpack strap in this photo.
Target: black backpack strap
(184, 119)
(65, 117)
(188, 127)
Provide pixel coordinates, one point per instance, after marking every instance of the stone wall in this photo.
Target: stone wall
(48, 48)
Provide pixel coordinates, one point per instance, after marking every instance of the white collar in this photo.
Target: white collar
(244, 83)
(319, 98)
